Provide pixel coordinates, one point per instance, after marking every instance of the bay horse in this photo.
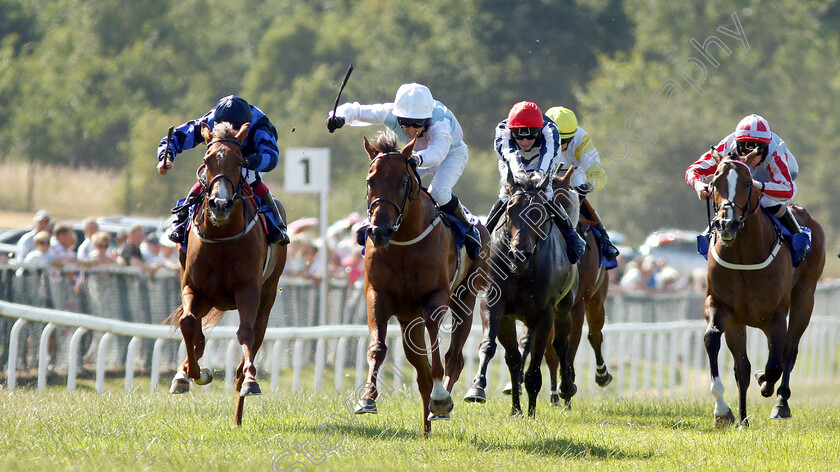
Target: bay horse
(747, 287)
(589, 304)
(413, 272)
(227, 265)
(537, 284)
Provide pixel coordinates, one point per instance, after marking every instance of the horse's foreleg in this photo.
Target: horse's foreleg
(736, 339)
(247, 303)
(711, 339)
(802, 305)
(462, 315)
(414, 344)
(595, 319)
(490, 316)
(562, 330)
(539, 341)
(776, 334)
(440, 403)
(507, 337)
(553, 363)
(379, 310)
(190, 326)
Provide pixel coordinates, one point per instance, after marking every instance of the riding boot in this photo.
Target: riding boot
(473, 238)
(609, 250)
(182, 214)
(564, 223)
(278, 234)
(800, 241)
(495, 215)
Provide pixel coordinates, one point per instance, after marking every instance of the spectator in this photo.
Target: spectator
(150, 249)
(129, 252)
(41, 222)
(169, 254)
(119, 241)
(63, 247)
(89, 229)
(100, 248)
(640, 275)
(40, 254)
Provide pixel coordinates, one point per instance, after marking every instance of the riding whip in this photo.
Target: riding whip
(343, 83)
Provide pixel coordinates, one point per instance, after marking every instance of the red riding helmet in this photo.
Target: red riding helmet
(525, 115)
(753, 128)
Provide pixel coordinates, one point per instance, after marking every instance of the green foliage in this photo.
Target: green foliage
(98, 83)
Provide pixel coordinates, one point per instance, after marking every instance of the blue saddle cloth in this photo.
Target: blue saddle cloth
(604, 262)
(799, 243)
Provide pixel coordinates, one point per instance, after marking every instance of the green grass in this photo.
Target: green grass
(83, 430)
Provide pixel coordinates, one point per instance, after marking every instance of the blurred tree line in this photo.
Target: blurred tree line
(96, 83)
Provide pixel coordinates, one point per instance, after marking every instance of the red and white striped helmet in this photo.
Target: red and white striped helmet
(753, 128)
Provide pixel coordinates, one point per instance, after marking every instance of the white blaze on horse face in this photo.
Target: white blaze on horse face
(222, 191)
(438, 392)
(732, 180)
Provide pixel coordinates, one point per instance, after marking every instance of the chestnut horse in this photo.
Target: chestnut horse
(537, 285)
(413, 272)
(751, 282)
(589, 304)
(228, 265)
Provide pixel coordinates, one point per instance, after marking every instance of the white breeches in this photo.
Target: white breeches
(446, 175)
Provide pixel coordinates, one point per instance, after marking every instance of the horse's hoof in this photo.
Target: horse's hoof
(179, 386)
(744, 425)
(781, 411)
(515, 412)
(250, 388)
(568, 394)
(603, 380)
(434, 417)
(555, 399)
(766, 388)
(508, 389)
(475, 395)
(725, 420)
(441, 407)
(365, 405)
(567, 405)
(205, 377)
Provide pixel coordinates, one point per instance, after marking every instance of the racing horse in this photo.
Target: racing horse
(537, 284)
(589, 305)
(751, 282)
(227, 265)
(413, 271)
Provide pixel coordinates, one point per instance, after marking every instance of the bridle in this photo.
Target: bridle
(745, 210)
(239, 194)
(414, 179)
(505, 227)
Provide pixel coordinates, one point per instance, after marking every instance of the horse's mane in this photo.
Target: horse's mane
(385, 141)
(223, 129)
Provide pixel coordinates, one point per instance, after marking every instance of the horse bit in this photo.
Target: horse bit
(399, 206)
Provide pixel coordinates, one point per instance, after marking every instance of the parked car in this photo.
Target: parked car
(677, 247)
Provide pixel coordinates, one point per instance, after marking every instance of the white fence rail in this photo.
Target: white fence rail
(645, 358)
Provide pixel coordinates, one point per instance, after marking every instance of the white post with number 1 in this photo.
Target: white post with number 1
(308, 171)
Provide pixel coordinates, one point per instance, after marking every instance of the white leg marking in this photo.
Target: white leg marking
(181, 375)
(438, 392)
(721, 408)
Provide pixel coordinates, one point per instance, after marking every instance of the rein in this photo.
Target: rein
(506, 214)
(238, 197)
(400, 207)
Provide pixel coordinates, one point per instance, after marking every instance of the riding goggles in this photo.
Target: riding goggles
(413, 122)
(525, 133)
(746, 147)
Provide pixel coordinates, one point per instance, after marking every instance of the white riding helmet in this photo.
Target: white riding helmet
(413, 101)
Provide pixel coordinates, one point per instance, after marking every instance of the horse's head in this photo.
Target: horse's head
(391, 183)
(734, 195)
(222, 168)
(526, 220)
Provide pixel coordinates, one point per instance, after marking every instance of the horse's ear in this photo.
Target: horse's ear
(206, 133)
(409, 148)
(716, 155)
(752, 158)
(546, 181)
(372, 152)
(567, 177)
(243, 132)
(510, 179)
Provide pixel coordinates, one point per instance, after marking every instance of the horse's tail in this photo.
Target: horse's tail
(208, 321)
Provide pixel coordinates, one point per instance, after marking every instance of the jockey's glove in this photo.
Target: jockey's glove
(334, 122)
(584, 188)
(166, 154)
(251, 162)
(702, 189)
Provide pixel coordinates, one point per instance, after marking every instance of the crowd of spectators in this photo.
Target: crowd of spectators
(649, 274)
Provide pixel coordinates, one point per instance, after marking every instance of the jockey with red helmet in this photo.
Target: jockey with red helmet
(527, 143)
(774, 174)
(439, 149)
(259, 151)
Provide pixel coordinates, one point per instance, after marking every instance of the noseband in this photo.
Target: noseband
(506, 227)
(716, 224)
(399, 206)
